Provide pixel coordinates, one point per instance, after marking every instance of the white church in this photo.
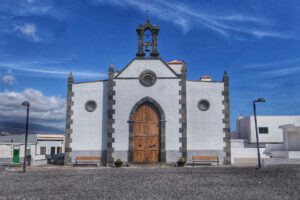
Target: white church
(148, 112)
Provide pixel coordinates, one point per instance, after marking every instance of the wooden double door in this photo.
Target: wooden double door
(146, 134)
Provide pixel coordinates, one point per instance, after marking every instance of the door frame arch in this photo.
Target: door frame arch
(162, 122)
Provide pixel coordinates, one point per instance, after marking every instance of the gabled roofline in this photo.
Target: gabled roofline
(205, 81)
(151, 58)
(104, 80)
(125, 67)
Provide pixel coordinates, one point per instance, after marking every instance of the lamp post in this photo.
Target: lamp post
(27, 104)
(259, 100)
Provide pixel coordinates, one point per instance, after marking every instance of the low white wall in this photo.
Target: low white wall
(244, 156)
(294, 154)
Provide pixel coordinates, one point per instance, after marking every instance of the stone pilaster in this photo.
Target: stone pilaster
(154, 52)
(226, 120)
(111, 112)
(69, 121)
(140, 32)
(182, 112)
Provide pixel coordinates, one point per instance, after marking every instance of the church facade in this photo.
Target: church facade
(148, 112)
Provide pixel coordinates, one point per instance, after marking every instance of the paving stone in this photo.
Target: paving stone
(273, 182)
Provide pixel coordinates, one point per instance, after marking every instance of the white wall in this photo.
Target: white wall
(45, 141)
(6, 150)
(275, 134)
(130, 91)
(293, 142)
(89, 128)
(48, 145)
(241, 154)
(137, 66)
(176, 67)
(243, 127)
(291, 137)
(205, 128)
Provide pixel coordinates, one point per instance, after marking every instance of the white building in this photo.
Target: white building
(148, 111)
(267, 126)
(14, 152)
(291, 137)
(12, 147)
(279, 138)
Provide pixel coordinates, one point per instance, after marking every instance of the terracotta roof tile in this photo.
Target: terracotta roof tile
(175, 62)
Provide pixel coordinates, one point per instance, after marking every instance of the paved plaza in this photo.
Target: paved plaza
(274, 182)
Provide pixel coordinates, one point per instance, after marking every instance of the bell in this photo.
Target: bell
(147, 45)
(147, 48)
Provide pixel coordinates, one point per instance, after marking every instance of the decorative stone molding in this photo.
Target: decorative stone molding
(69, 121)
(147, 78)
(90, 106)
(162, 156)
(111, 112)
(182, 112)
(226, 119)
(203, 105)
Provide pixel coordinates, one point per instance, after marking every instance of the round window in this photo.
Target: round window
(90, 106)
(147, 78)
(203, 105)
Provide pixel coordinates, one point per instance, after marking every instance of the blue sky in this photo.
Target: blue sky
(256, 41)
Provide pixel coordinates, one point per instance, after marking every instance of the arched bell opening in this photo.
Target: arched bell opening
(147, 42)
(147, 47)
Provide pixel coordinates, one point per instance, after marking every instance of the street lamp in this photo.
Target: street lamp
(27, 104)
(259, 100)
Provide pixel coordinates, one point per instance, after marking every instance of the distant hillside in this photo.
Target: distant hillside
(8, 127)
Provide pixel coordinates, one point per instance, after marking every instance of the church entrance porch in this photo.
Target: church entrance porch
(146, 134)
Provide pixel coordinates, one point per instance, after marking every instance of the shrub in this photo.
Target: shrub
(118, 163)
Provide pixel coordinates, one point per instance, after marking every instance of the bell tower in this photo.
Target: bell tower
(147, 40)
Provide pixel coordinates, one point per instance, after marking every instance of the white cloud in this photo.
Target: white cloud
(35, 68)
(29, 31)
(277, 63)
(9, 79)
(45, 109)
(284, 72)
(188, 16)
(31, 7)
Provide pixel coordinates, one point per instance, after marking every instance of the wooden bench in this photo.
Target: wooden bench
(88, 160)
(205, 159)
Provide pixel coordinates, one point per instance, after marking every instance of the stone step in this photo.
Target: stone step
(281, 161)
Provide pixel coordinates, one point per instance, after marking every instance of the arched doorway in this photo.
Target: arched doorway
(147, 132)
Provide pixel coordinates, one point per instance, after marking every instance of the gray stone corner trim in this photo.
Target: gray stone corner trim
(110, 116)
(183, 113)
(69, 120)
(226, 119)
(162, 118)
